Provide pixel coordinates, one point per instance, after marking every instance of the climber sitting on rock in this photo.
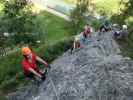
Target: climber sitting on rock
(77, 41)
(29, 64)
(124, 31)
(87, 31)
(81, 39)
(86, 34)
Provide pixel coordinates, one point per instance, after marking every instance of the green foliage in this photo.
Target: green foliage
(77, 15)
(52, 28)
(41, 26)
(50, 52)
(70, 1)
(3, 97)
(129, 39)
(125, 13)
(45, 25)
(95, 24)
(2, 1)
(128, 8)
(17, 14)
(25, 38)
(107, 7)
(17, 18)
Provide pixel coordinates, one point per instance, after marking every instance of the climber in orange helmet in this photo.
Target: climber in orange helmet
(29, 64)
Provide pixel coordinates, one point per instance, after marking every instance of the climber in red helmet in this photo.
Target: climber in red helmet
(29, 64)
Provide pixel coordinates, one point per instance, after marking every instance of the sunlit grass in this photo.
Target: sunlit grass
(53, 27)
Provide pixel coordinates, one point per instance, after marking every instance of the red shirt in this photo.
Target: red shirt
(26, 64)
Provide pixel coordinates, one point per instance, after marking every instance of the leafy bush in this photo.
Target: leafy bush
(25, 38)
(77, 15)
(17, 17)
(2, 98)
(17, 14)
(95, 24)
(107, 7)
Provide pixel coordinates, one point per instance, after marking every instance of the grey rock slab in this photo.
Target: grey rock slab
(96, 72)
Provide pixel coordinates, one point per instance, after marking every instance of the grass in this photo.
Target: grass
(53, 27)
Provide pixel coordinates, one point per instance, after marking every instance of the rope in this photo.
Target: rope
(54, 88)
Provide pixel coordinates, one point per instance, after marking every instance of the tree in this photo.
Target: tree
(128, 13)
(125, 12)
(17, 13)
(18, 19)
(1, 1)
(128, 8)
(77, 15)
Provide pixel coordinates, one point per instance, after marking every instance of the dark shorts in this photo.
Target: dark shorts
(30, 75)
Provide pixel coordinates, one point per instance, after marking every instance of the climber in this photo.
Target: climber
(105, 27)
(86, 34)
(77, 41)
(118, 34)
(87, 31)
(124, 31)
(81, 39)
(29, 64)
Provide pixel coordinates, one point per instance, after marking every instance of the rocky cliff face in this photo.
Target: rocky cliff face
(96, 72)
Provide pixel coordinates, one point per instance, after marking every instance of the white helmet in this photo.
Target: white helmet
(114, 25)
(124, 26)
